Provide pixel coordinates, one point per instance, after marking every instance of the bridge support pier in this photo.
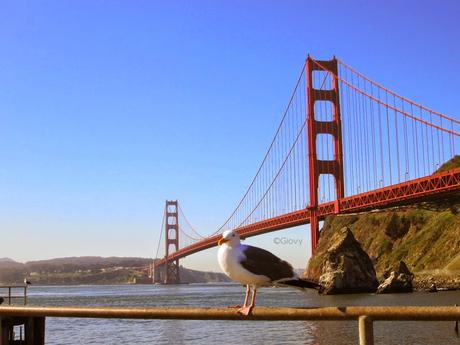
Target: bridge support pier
(157, 272)
(317, 167)
(172, 272)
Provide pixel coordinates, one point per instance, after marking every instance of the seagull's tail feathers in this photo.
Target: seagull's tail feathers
(301, 283)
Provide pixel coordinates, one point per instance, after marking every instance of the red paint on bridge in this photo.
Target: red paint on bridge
(419, 190)
(376, 137)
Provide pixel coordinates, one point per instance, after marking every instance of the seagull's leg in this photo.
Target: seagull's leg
(246, 297)
(246, 309)
(253, 299)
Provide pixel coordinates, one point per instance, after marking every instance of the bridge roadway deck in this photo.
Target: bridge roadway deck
(418, 190)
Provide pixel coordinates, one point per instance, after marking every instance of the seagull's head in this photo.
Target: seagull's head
(230, 237)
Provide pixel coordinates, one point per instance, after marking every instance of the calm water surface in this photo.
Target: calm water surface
(100, 331)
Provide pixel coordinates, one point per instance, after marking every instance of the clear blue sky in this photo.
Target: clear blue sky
(108, 108)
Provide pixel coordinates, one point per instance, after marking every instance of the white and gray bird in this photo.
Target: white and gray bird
(255, 267)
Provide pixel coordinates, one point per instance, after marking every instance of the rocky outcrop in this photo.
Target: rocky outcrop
(346, 268)
(397, 280)
(433, 288)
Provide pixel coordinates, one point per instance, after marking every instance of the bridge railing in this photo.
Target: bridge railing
(9, 294)
(365, 316)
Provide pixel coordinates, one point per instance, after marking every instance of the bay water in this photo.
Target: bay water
(61, 331)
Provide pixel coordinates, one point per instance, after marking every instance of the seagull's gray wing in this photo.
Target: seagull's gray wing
(262, 262)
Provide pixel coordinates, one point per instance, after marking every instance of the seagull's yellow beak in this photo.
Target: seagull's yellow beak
(221, 241)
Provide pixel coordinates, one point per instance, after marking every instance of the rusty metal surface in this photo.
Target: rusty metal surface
(259, 313)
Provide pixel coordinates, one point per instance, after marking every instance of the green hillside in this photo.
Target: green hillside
(425, 236)
(451, 164)
(423, 239)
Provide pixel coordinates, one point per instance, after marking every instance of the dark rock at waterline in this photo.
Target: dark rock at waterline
(397, 280)
(433, 288)
(346, 267)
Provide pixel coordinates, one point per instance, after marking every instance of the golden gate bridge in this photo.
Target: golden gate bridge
(345, 144)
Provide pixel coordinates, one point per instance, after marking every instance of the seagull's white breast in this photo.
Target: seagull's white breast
(229, 260)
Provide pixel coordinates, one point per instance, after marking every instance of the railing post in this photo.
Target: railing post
(4, 332)
(35, 331)
(366, 330)
(39, 325)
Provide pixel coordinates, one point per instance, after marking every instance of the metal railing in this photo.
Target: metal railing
(365, 315)
(7, 293)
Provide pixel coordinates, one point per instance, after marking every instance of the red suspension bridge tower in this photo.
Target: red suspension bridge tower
(172, 240)
(168, 273)
(317, 166)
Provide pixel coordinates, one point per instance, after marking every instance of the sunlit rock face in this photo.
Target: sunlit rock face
(397, 279)
(346, 267)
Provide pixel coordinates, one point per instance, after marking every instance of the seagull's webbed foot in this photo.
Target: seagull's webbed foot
(246, 310)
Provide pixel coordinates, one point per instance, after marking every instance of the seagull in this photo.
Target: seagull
(27, 282)
(255, 267)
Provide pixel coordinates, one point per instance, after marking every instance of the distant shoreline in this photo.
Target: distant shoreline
(92, 271)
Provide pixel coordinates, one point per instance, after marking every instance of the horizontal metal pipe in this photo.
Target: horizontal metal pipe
(258, 313)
